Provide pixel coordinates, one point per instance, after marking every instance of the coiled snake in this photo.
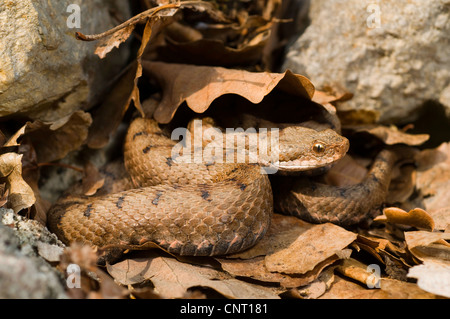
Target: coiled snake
(213, 208)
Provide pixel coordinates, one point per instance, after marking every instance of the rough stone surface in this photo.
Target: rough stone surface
(23, 272)
(392, 67)
(45, 72)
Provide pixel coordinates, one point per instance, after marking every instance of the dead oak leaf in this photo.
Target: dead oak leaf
(255, 268)
(199, 86)
(292, 246)
(390, 289)
(390, 135)
(283, 231)
(54, 140)
(317, 244)
(93, 180)
(433, 182)
(172, 278)
(13, 139)
(21, 195)
(114, 41)
(416, 217)
(433, 277)
(426, 245)
(115, 36)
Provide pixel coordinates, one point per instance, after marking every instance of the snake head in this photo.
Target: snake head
(302, 148)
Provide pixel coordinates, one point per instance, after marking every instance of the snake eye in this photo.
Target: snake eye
(319, 148)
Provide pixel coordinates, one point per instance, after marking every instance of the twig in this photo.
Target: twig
(141, 17)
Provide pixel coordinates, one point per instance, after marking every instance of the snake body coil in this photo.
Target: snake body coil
(188, 209)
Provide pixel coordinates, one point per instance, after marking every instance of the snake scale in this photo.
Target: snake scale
(215, 208)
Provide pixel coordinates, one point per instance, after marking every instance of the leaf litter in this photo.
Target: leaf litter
(195, 68)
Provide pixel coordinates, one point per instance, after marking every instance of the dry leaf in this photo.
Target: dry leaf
(115, 36)
(428, 245)
(315, 245)
(31, 175)
(172, 278)
(49, 252)
(402, 186)
(326, 100)
(213, 52)
(416, 217)
(283, 231)
(255, 268)
(20, 193)
(397, 289)
(4, 192)
(391, 135)
(199, 86)
(383, 250)
(110, 113)
(13, 139)
(344, 289)
(433, 277)
(53, 141)
(433, 181)
(109, 43)
(92, 181)
(345, 172)
(94, 282)
(316, 288)
(389, 289)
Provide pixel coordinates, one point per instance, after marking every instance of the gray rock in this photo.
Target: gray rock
(45, 72)
(392, 65)
(23, 272)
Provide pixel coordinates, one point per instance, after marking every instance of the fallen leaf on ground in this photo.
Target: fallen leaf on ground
(255, 268)
(213, 52)
(283, 231)
(53, 141)
(20, 193)
(316, 288)
(31, 175)
(110, 113)
(93, 180)
(315, 245)
(416, 217)
(383, 250)
(433, 182)
(428, 245)
(115, 36)
(391, 135)
(13, 139)
(172, 278)
(402, 186)
(49, 252)
(433, 277)
(78, 263)
(109, 43)
(389, 289)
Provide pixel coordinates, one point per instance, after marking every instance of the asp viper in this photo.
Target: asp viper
(213, 208)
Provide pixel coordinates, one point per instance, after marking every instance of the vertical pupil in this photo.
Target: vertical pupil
(318, 148)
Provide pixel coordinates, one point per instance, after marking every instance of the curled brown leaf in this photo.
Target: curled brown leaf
(199, 86)
(20, 193)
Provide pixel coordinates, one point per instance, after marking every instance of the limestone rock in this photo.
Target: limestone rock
(23, 272)
(393, 55)
(45, 72)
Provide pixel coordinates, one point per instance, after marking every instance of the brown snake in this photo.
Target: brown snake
(213, 208)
